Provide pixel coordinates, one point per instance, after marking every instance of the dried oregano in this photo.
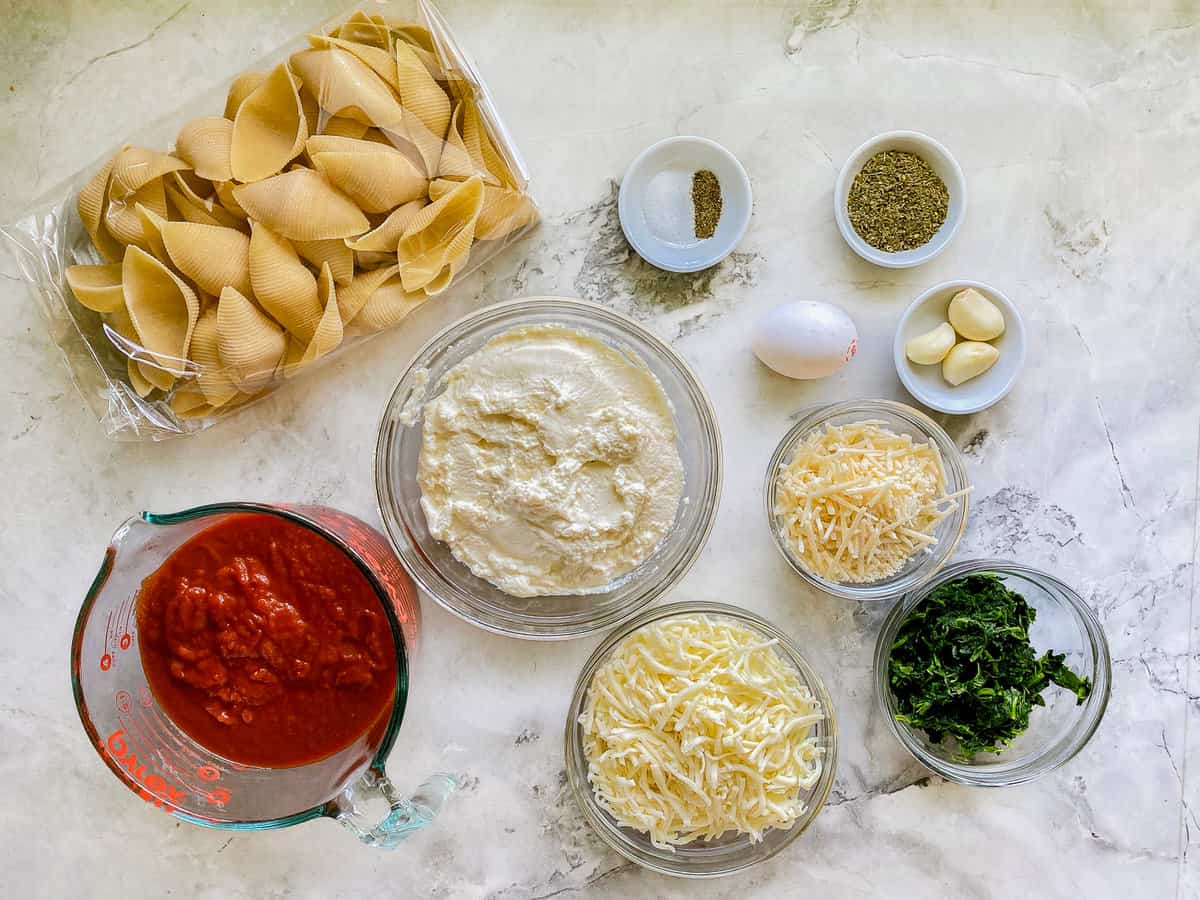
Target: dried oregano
(897, 202)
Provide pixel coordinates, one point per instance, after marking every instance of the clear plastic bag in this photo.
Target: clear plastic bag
(268, 225)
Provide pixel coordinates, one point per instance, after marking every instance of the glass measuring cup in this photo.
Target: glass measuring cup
(164, 766)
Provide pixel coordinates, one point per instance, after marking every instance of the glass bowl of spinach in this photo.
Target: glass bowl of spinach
(993, 673)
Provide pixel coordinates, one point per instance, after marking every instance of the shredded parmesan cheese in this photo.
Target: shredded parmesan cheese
(694, 727)
(856, 502)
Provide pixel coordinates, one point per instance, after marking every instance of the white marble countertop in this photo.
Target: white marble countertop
(1077, 128)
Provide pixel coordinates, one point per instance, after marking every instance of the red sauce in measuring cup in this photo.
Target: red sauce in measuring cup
(266, 644)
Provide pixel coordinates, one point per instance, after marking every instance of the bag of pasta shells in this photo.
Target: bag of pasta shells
(318, 198)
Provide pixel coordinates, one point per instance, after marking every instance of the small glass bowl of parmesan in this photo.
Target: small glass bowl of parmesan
(699, 741)
(866, 499)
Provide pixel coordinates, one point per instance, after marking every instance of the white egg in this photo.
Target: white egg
(805, 339)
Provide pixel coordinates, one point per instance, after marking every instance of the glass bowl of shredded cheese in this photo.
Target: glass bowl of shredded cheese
(699, 741)
(866, 499)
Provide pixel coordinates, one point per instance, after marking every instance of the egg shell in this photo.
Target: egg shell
(805, 339)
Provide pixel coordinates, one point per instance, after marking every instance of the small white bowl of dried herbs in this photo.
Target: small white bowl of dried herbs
(900, 199)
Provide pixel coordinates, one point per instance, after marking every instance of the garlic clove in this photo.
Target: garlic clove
(968, 360)
(931, 347)
(974, 316)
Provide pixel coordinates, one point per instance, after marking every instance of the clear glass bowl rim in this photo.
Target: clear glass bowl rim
(602, 823)
(426, 574)
(956, 479)
(1037, 764)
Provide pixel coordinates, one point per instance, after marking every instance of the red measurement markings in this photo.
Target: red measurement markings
(152, 787)
(218, 797)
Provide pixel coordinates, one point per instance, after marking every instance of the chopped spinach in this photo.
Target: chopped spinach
(962, 665)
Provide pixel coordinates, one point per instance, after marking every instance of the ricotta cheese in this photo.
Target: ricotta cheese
(548, 462)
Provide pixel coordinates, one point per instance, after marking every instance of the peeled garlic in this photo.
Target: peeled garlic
(932, 346)
(974, 316)
(967, 360)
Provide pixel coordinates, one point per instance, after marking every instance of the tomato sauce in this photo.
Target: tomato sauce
(266, 644)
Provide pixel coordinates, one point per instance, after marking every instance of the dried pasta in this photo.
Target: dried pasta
(332, 196)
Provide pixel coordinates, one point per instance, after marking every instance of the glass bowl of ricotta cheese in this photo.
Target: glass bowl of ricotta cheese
(546, 468)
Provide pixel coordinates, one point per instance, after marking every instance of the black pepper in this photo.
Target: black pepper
(706, 202)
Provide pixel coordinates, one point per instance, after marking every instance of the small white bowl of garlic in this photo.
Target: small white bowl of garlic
(959, 347)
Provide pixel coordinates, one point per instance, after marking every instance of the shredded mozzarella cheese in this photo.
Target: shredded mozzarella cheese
(857, 501)
(694, 727)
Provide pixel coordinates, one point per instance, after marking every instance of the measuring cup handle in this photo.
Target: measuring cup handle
(406, 814)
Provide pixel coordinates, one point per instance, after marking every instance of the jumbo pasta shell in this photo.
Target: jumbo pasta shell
(343, 126)
(378, 181)
(360, 28)
(479, 143)
(282, 283)
(90, 204)
(328, 334)
(440, 187)
(161, 306)
(135, 167)
(379, 59)
(353, 297)
(241, 88)
(211, 256)
(191, 207)
(454, 259)
(250, 344)
(205, 144)
(141, 386)
(270, 128)
(312, 112)
(344, 85)
(188, 401)
(123, 220)
(213, 380)
(121, 333)
(302, 205)
(291, 357)
(97, 287)
(152, 224)
(224, 194)
(388, 306)
(504, 211)
(420, 94)
(438, 233)
(455, 161)
(414, 34)
(151, 372)
(333, 253)
(384, 237)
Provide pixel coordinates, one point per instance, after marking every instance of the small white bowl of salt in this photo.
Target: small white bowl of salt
(685, 203)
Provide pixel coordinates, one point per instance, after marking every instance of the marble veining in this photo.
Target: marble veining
(1076, 127)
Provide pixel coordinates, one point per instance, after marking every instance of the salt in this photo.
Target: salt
(667, 206)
